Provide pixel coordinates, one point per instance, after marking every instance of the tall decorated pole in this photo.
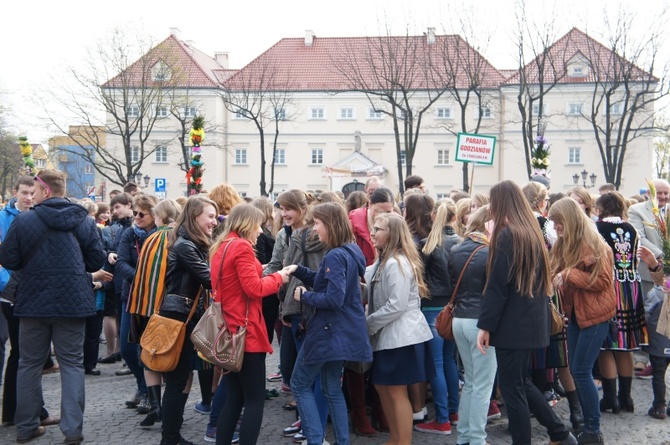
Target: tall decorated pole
(27, 153)
(194, 174)
(540, 153)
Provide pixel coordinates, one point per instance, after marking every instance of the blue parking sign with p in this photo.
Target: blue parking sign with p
(160, 184)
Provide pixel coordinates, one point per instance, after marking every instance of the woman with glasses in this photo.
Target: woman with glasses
(398, 330)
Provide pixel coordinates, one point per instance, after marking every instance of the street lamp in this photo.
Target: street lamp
(138, 177)
(585, 174)
(146, 180)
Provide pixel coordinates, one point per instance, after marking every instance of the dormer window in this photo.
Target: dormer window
(161, 72)
(578, 70)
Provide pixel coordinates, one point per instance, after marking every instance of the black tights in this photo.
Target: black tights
(245, 388)
(658, 367)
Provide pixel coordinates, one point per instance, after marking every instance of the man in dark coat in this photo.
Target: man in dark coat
(56, 247)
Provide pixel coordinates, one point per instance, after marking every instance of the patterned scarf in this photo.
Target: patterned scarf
(479, 237)
(143, 234)
(149, 283)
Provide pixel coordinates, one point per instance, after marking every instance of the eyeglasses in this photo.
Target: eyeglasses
(140, 214)
(377, 229)
(44, 184)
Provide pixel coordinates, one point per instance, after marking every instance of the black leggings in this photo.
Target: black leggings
(658, 367)
(245, 388)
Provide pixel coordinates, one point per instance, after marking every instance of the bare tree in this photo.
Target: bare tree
(11, 163)
(541, 66)
(469, 78)
(124, 91)
(399, 77)
(625, 89)
(262, 94)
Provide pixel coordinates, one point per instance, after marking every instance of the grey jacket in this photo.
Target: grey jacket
(395, 319)
(277, 262)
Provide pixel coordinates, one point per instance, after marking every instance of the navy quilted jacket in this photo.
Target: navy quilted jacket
(55, 282)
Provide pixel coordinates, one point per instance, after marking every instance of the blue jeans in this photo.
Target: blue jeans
(131, 351)
(302, 382)
(321, 401)
(583, 349)
(445, 383)
(480, 372)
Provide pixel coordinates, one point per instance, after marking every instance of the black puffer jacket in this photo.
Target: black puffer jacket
(470, 291)
(187, 270)
(436, 269)
(55, 282)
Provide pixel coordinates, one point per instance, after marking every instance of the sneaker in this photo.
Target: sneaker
(236, 438)
(420, 416)
(645, 374)
(639, 366)
(434, 427)
(276, 377)
(551, 397)
(453, 418)
(325, 442)
(202, 408)
(210, 435)
(283, 387)
(291, 430)
(299, 437)
(585, 438)
(494, 411)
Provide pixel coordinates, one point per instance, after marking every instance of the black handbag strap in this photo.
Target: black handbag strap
(460, 277)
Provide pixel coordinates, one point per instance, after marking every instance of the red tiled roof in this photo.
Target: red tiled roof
(327, 64)
(576, 43)
(191, 68)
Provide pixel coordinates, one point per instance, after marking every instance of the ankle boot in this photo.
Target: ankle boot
(609, 400)
(154, 393)
(576, 416)
(625, 400)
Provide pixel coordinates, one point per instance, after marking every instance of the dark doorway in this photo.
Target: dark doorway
(353, 186)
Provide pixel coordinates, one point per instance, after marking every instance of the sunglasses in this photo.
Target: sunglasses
(140, 214)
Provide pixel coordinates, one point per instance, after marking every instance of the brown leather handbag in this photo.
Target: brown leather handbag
(445, 318)
(163, 340)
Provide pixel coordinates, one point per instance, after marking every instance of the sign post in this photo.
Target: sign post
(475, 148)
(159, 190)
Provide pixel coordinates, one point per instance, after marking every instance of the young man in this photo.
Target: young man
(57, 248)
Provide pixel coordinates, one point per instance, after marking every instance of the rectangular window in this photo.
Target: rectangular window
(442, 157)
(280, 157)
(317, 156)
(374, 114)
(485, 112)
(536, 109)
(280, 114)
(346, 113)
(615, 109)
(133, 111)
(317, 113)
(161, 153)
(190, 111)
(88, 169)
(403, 157)
(574, 155)
(40, 163)
(162, 112)
(241, 114)
(574, 109)
(135, 154)
(240, 156)
(442, 195)
(443, 113)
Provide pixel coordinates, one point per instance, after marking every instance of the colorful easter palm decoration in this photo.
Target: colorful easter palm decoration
(194, 174)
(540, 157)
(27, 153)
(662, 224)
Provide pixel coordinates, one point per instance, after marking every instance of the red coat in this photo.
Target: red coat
(240, 281)
(359, 222)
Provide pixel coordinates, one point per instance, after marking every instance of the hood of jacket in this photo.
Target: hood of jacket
(11, 207)
(355, 253)
(61, 214)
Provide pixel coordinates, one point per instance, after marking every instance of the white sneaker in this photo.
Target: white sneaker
(304, 442)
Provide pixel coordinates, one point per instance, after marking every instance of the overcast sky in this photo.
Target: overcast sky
(43, 36)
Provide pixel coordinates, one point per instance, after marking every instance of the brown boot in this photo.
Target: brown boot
(356, 391)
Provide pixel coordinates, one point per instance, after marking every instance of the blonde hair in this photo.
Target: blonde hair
(477, 222)
(445, 214)
(479, 199)
(586, 198)
(578, 231)
(167, 210)
(265, 205)
(243, 219)
(462, 209)
(535, 193)
(399, 242)
(226, 197)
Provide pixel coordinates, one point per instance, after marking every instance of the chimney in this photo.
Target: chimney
(309, 37)
(222, 58)
(430, 36)
(175, 32)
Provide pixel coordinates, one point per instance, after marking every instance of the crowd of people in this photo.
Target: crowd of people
(351, 290)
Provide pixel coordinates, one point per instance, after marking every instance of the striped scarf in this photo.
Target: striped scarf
(149, 283)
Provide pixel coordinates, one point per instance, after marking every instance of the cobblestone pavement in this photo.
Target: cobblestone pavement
(107, 421)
